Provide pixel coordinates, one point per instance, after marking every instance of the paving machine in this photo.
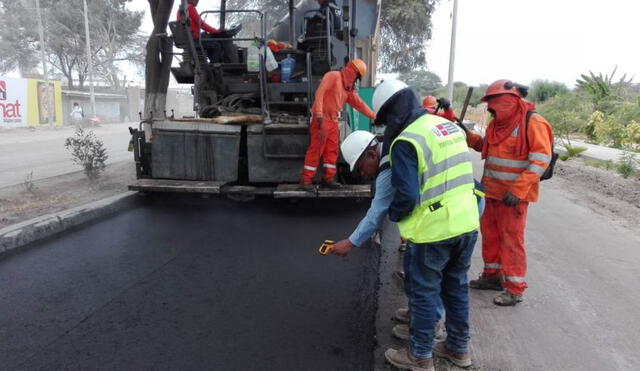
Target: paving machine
(250, 130)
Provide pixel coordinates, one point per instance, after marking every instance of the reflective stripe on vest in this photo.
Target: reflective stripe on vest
(446, 180)
(502, 175)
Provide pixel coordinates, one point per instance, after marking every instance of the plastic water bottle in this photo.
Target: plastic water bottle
(286, 68)
(253, 58)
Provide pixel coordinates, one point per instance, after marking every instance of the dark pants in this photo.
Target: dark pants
(219, 51)
(439, 271)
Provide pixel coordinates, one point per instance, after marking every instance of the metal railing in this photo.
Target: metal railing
(262, 53)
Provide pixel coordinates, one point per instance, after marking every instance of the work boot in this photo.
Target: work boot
(331, 184)
(309, 187)
(402, 315)
(401, 331)
(507, 299)
(459, 359)
(485, 282)
(403, 359)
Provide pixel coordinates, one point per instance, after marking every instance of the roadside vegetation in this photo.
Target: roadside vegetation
(87, 151)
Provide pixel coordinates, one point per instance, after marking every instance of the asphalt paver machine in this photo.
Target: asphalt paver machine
(250, 130)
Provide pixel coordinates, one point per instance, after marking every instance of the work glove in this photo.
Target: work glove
(461, 125)
(443, 103)
(510, 200)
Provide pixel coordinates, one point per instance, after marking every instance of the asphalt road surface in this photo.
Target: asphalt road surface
(206, 284)
(42, 151)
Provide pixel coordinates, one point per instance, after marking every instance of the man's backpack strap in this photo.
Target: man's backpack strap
(548, 173)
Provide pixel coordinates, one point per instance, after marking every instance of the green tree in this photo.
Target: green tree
(605, 94)
(423, 82)
(632, 136)
(113, 31)
(405, 28)
(541, 90)
(567, 114)
(18, 43)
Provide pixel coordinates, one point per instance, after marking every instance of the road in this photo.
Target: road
(42, 151)
(181, 285)
(581, 309)
(213, 284)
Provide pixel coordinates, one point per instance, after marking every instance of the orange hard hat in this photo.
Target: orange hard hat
(503, 87)
(429, 101)
(360, 66)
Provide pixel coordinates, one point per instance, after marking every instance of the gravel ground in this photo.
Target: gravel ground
(604, 189)
(62, 192)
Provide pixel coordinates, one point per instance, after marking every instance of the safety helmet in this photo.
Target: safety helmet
(360, 66)
(505, 87)
(429, 101)
(354, 146)
(384, 91)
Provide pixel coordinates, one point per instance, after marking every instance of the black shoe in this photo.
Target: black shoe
(331, 184)
(308, 187)
(486, 283)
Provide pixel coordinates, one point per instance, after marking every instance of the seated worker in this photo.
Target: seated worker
(217, 50)
(433, 105)
(334, 9)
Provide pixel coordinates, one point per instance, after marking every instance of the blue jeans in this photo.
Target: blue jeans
(433, 272)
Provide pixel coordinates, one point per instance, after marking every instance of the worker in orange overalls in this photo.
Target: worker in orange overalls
(433, 105)
(336, 89)
(516, 154)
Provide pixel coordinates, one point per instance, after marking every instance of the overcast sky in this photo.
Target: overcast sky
(527, 39)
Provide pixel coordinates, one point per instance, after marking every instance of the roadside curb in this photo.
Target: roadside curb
(17, 235)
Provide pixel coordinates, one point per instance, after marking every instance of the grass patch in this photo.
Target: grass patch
(600, 164)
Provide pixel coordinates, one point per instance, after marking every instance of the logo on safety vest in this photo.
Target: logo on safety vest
(3, 90)
(442, 130)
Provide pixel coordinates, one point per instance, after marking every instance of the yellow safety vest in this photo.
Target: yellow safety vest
(448, 206)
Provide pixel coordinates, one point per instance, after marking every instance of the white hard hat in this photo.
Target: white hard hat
(354, 146)
(384, 91)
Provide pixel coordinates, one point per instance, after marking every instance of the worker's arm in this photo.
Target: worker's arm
(377, 211)
(356, 102)
(404, 179)
(328, 80)
(195, 18)
(475, 140)
(539, 138)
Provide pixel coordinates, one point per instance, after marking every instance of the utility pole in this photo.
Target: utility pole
(452, 51)
(45, 71)
(89, 60)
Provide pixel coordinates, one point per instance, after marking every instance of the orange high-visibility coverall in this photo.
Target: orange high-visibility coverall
(336, 89)
(503, 249)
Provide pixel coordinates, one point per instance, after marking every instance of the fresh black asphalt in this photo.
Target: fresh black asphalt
(183, 283)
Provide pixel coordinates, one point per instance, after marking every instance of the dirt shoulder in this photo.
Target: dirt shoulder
(603, 191)
(62, 192)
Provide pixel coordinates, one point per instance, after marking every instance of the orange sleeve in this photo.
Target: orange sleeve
(328, 80)
(475, 141)
(539, 138)
(356, 102)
